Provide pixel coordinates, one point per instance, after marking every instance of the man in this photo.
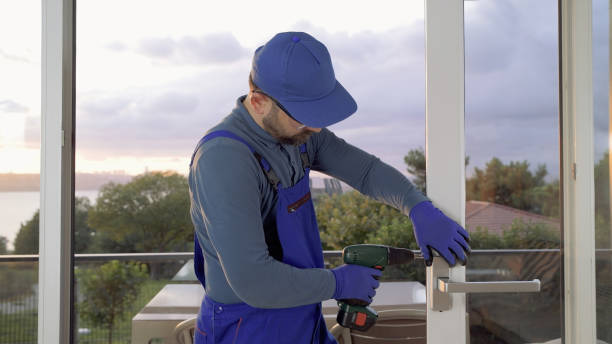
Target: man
(258, 252)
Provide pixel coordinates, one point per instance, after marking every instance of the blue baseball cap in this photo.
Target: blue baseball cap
(295, 69)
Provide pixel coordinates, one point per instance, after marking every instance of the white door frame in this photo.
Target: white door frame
(56, 170)
(578, 176)
(445, 146)
(445, 152)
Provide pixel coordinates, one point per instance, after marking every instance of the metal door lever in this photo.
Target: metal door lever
(440, 287)
(446, 286)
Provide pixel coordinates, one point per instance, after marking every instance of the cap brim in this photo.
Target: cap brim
(323, 112)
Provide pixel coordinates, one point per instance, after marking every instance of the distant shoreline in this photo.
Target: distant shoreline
(28, 182)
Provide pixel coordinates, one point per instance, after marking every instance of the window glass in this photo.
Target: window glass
(602, 142)
(20, 75)
(160, 74)
(512, 167)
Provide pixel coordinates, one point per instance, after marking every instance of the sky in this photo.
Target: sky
(153, 76)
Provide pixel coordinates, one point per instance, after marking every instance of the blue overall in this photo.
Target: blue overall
(298, 234)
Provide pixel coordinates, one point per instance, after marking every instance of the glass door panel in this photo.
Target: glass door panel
(162, 73)
(602, 113)
(512, 167)
(20, 85)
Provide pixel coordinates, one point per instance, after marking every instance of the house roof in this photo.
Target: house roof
(496, 217)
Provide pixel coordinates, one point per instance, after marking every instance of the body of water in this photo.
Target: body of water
(19, 207)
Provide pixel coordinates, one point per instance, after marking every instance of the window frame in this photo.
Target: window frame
(55, 269)
(576, 118)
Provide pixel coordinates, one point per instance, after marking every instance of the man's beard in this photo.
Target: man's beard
(271, 125)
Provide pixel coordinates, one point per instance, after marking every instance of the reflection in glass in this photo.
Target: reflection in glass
(602, 141)
(518, 317)
(512, 167)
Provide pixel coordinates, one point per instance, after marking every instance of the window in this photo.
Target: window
(512, 167)
(151, 83)
(601, 114)
(19, 168)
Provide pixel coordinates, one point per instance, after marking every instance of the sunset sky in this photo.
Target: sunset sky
(153, 76)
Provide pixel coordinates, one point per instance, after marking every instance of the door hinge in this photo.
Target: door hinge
(574, 171)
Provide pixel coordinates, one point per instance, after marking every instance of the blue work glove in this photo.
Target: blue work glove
(355, 282)
(435, 231)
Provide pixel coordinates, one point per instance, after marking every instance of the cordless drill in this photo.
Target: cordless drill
(355, 313)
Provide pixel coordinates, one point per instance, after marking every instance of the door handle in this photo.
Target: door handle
(440, 286)
(446, 286)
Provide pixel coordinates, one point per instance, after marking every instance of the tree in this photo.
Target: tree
(416, 165)
(26, 240)
(519, 235)
(109, 291)
(603, 229)
(481, 238)
(522, 235)
(353, 218)
(3, 242)
(415, 162)
(512, 185)
(83, 233)
(148, 214)
(546, 199)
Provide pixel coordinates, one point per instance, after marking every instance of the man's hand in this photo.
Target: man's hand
(435, 231)
(356, 282)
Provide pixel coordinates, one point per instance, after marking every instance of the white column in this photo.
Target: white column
(445, 144)
(578, 175)
(56, 169)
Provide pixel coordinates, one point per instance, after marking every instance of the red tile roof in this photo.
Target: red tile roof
(496, 217)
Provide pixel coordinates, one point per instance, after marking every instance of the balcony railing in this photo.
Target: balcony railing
(512, 318)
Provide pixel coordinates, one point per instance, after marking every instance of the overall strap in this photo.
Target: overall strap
(271, 235)
(219, 133)
(198, 261)
(304, 157)
(265, 166)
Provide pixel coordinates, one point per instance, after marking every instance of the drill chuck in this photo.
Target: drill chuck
(399, 256)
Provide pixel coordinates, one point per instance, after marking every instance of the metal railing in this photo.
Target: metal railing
(165, 256)
(18, 314)
(104, 257)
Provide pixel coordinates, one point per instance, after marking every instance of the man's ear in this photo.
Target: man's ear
(259, 102)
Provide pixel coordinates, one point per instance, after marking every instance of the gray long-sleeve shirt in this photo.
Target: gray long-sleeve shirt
(231, 201)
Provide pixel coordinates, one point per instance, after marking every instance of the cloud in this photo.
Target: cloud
(104, 104)
(117, 46)
(171, 103)
(216, 48)
(8, 105)
(511, 109)
(489, 37)
(501, 138)
(158, 47)
(13, 57)
(511, 85)
(32, 132)
(601, 75)
(163, 121)
(383, 71)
